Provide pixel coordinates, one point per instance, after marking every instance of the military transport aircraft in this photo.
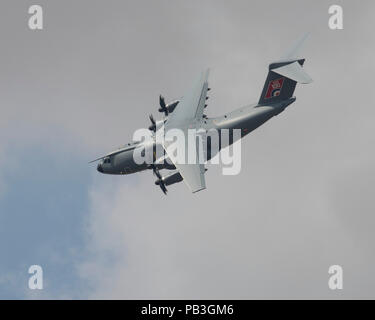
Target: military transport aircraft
(188, 112)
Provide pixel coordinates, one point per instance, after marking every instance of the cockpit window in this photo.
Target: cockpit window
(107, 160)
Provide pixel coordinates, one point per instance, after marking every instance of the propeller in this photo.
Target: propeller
(152, 127)
(163, 105)
(159, 182)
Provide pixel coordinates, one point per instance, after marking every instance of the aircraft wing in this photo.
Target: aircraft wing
(192, 174)
(192, 104)
(190, 109)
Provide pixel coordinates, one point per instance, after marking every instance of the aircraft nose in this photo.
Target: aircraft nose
(100, 168)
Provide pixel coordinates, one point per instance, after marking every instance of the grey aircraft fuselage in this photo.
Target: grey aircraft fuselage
(247, 119)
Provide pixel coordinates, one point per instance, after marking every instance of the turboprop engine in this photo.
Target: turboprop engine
(167, 180)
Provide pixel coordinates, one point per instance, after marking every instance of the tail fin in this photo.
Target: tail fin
(282, 80)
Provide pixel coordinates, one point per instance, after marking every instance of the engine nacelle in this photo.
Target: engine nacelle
(171, 178)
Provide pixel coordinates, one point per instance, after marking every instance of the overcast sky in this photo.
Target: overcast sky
(80, 87)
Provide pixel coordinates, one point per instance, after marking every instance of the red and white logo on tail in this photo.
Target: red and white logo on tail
(274, 88)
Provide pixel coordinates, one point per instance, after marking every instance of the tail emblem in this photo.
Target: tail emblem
(274, 88)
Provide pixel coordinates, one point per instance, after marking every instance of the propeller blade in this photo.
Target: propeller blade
(157, 173)
(152, 127)
(159, 182)
(152, 119)
(163, 105)
(162, 102)
(163, 188)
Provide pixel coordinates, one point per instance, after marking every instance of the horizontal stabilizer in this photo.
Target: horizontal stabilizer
(294, 71)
